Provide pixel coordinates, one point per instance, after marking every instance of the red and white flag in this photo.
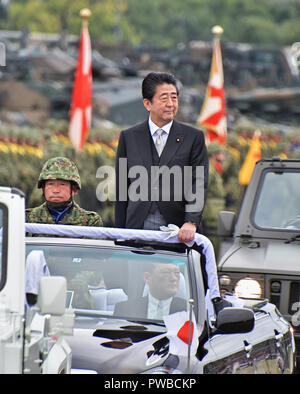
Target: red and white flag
(178, 328)
(213, 112)
(81, 107)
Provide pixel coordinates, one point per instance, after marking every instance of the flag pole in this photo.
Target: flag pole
(191, 306)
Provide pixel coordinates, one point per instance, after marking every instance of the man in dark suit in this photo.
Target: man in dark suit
(161, 166)
(162, 282)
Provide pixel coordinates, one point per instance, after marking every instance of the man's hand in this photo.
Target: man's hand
(187, 232)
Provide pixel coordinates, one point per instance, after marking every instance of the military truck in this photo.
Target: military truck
(263, 261)
(31, 330)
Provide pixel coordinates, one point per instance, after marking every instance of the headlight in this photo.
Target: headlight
(248, 288)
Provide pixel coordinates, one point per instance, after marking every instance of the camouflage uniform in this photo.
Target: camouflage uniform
(231, 167)
(76, 216)
(65, 169)
(215, 201)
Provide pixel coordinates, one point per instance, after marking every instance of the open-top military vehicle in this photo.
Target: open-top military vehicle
(114, 288)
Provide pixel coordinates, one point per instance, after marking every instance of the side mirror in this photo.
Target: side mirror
(226, 220)
(52, 295)
(233, 320)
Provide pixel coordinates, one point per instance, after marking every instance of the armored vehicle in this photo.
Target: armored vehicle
(263, 260)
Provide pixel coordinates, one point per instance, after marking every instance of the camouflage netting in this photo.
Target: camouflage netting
(24, 150)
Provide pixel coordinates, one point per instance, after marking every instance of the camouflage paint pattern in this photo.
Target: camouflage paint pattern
(59, 168)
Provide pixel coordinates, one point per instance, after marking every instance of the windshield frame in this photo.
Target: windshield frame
(94, 313)
(258, 196)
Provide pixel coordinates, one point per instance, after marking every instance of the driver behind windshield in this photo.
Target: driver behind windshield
(162, 283)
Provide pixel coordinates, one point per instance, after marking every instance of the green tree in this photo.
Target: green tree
(63, 15)
(162, 23)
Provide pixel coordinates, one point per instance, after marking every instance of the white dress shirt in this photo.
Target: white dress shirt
(166, 128)
(157, 309)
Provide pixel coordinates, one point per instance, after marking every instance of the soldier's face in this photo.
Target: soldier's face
(57, 190)
(164, 104)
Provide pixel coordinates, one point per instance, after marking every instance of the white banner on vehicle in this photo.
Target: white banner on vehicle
(166, 234)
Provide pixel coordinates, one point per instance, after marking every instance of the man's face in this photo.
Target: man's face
(163, 281)
(57, 190)
(220, 157)
(164, 104)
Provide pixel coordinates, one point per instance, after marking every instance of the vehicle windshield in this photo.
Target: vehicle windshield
(119, 282)
(278, 201)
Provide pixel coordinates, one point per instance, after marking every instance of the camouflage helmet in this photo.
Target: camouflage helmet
(214, 147)
(232, 139)
(59, 168)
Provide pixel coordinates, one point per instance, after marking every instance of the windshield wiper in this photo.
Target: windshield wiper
(145, 322)
(91, 313)
(293, 239)
(95, 313)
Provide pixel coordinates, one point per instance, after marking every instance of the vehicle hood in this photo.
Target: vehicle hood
(120, 347)
(277, 257)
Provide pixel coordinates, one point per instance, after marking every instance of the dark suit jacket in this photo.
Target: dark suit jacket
(137, 307)
(185, 146)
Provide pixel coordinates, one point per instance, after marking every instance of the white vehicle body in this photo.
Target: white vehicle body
(31, 339)
(249, 337)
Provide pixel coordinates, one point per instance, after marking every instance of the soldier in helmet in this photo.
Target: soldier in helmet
(231, 167)
(60, 181)
(215, 194)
